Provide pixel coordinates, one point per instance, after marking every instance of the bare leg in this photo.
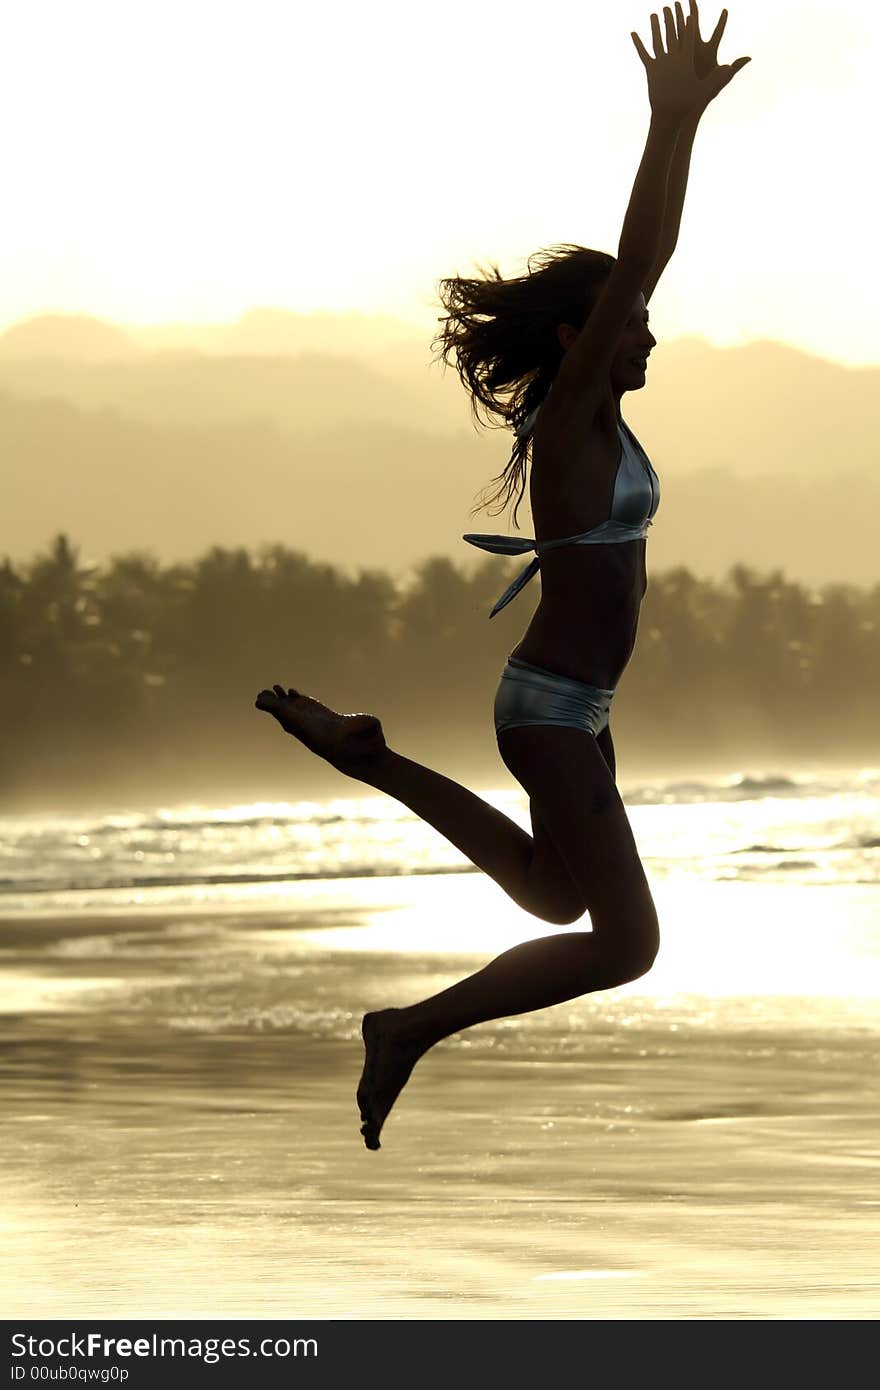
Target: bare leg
(529, 870)
(587, 835)
(564, 770)
(534, 975)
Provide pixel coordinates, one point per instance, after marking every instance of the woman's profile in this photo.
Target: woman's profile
(561, 345)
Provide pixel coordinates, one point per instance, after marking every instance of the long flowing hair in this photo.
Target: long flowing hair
(503, 336)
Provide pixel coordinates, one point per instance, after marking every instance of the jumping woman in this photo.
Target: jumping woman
(565, 342)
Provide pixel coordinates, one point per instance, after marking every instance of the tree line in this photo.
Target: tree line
(132, 672)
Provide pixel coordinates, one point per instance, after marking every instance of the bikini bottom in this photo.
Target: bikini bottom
(529, 694)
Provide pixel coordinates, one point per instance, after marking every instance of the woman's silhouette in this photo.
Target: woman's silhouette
(565, 342)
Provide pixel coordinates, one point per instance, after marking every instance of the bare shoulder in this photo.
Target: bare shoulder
(572, 425)
(575, 453)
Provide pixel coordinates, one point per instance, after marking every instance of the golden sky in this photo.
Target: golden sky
(187, 160)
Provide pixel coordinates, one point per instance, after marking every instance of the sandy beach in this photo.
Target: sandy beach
(179, 1098)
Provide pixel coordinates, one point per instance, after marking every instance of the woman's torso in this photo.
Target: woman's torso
(586, 621)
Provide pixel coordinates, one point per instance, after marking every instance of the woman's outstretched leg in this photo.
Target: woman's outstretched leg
(563, 769)
(529, 870)
(572, 791)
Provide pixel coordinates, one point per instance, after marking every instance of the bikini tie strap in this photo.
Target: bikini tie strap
(507, 545)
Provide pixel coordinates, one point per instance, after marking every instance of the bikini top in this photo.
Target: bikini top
(635, 499)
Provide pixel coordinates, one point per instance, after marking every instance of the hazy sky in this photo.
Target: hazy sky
(188, 160)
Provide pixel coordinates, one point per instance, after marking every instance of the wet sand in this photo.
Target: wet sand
(168, 1154)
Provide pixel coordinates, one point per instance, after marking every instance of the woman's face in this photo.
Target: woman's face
(637, 342)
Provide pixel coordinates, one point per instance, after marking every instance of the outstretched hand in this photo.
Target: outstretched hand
(686, 76)
(706, 53)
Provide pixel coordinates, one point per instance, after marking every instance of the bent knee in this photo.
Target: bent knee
(563, 916)
(637, 963)
(629, 954)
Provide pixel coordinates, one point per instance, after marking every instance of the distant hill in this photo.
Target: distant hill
(269, 332)
(335, 433)
(299, 371)
(263, 332)
(67, 337)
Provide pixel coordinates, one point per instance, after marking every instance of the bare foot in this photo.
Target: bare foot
(389, 1060)
(349, 742)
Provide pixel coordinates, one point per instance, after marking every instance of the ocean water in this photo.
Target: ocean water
(180, 1004)
(767, 829)
(766, 888)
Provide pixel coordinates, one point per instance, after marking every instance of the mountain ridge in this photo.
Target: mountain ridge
(366, 453)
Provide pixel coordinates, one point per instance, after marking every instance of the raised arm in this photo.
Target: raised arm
(677, 91)
(583, 372)
(681, 83)
(673, 92)
(705, 63)
(676, 187)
